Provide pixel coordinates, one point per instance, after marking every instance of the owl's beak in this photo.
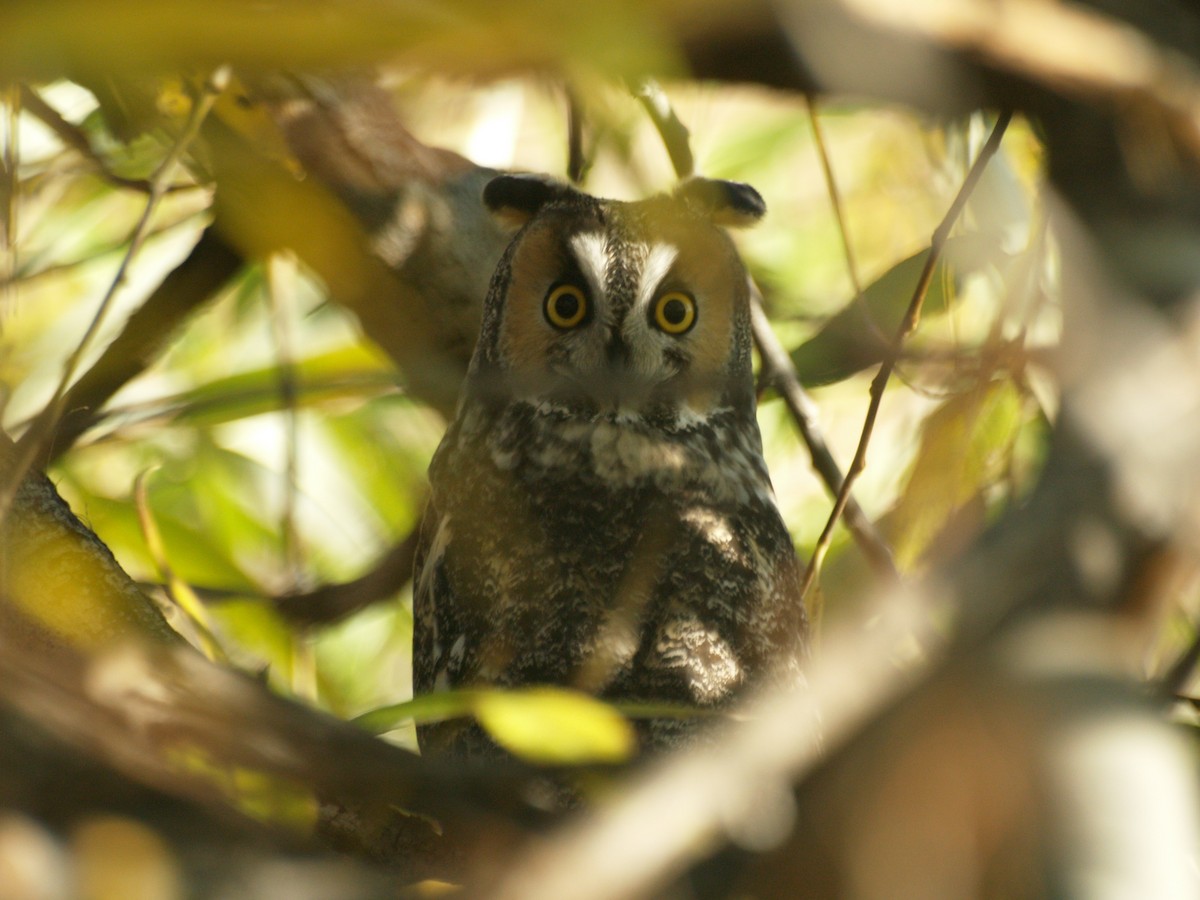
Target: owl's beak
(616, 386)
(616, 352)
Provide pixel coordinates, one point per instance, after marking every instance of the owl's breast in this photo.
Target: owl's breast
(619, 454)
(627, 560)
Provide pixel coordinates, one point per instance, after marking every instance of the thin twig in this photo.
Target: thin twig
(281, 276)
(179, 592)
(674, 133)
(781, 374)
(34, 441)
(835, 195)
(911, 317)
(8, 191)
(576, 163)
(839, 215)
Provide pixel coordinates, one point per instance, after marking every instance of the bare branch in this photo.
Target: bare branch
(333, 602)
(781, 374)
(907, 326)
(144, 711)
(210, 265)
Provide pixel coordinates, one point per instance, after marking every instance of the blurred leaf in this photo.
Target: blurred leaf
(549, 725)
(350, 371)
(365, 660)
(964, 448)
(189, 548)
(37, 40)
(859, 335)
(240, 508)
(180, 591)
(436, 707)
(746, 148)
(544, 725)
(256, 628)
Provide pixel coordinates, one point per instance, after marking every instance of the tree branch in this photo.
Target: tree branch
(781, 374)
(907, 326)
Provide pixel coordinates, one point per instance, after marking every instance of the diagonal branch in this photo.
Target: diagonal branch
(907, 326)
(211, 263)
(334, 602)
(781, 374)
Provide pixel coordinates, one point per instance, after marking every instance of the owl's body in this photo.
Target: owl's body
(601, 516)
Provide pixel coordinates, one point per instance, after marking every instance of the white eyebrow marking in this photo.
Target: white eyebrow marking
(658, 263)
(592, 257)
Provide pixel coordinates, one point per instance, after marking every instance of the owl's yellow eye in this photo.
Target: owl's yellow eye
(566, 307)
(675, 312)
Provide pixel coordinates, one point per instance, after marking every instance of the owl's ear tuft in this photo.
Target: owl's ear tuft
(516, 198)
(728, 203)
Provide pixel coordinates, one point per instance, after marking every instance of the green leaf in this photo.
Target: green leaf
(360, 659)
(193, 554)
(859, 335)
(436, 707)
(257, 628)
(348, 372)
(964, 449)
(550, 725)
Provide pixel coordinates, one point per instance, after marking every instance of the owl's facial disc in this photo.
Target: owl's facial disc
(606, 317)
(625, 343)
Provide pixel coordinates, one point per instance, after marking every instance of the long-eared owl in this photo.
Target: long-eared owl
(601, 516)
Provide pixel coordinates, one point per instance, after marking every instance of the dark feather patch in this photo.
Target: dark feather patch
(517, 198)
(729, 203)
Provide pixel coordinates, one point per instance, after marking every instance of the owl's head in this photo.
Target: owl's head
(614, 307)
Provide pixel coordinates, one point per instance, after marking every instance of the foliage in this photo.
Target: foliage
(274, 439)
(279, 450)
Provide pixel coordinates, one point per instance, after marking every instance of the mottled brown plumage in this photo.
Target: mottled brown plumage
(601, 516)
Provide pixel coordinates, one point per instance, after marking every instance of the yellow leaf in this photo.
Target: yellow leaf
(557, 727)
(965, 445)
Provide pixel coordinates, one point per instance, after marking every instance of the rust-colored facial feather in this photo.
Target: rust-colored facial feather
(608, 341)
